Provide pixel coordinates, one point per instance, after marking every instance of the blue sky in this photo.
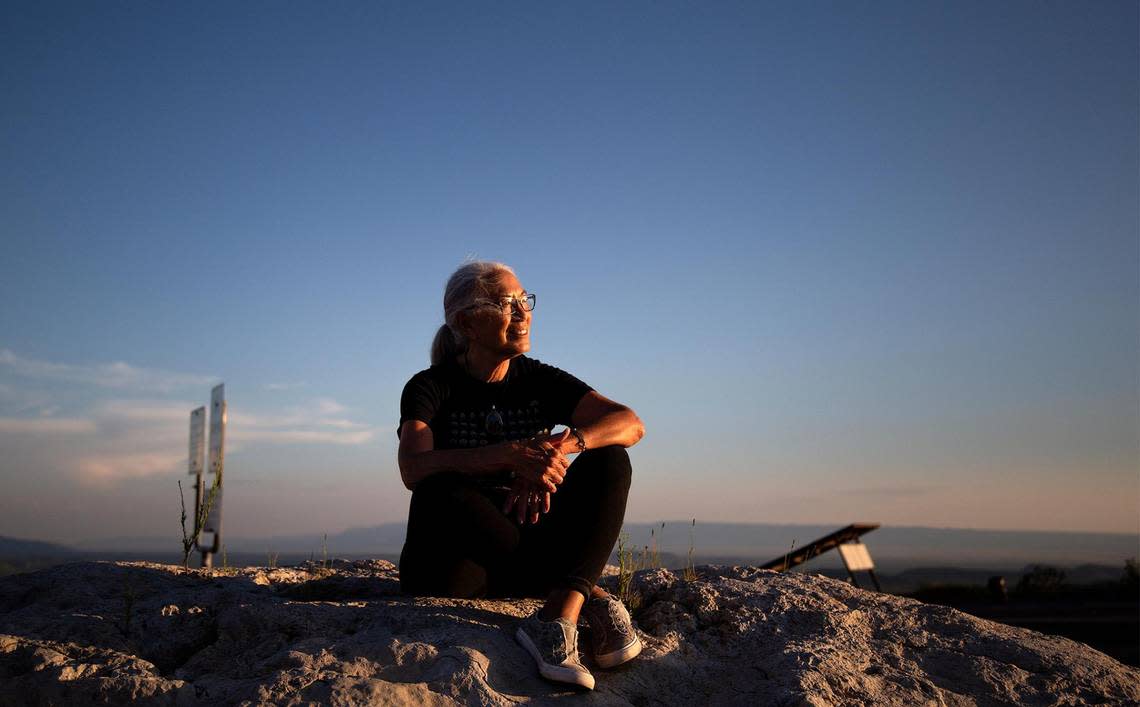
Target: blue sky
(848, 261)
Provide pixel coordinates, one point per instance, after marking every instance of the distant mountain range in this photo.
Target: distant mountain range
(18, 549)
(894, 548)
(905, 557)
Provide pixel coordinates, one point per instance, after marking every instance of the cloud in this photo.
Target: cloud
(117, 374)
(327, 406)
(897, 491)
(301, 435)
(46, 425)
(122, 439)
(102, 469)
(22, 403)
(320, 421)
(284, 386)
(149, 410)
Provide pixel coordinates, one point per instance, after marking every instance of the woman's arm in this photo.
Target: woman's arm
(535, 461)
(603, 422)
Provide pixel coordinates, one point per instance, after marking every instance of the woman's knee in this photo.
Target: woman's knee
(443, 482)
(609, 463)
(440, 576)
(439, 491)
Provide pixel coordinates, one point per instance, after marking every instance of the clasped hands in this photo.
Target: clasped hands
(539, 466)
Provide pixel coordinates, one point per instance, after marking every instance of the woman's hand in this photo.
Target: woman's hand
(527, 501)
(539, 462)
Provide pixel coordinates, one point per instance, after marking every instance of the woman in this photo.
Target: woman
(498, 508)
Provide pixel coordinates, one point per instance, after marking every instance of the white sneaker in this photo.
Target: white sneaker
(554, 646)
(611, 631)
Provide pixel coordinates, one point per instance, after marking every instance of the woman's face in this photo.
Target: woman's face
(501, 333)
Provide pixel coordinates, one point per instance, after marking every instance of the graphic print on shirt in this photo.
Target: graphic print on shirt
(469, 428)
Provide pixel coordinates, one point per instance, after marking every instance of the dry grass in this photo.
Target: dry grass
(190, 539)
(650, 558)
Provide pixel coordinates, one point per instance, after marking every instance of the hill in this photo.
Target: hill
(97, 633)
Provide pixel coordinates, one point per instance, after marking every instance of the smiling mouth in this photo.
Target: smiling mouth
(519, 332)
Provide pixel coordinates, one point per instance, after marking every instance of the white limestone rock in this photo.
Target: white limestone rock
(111, 633)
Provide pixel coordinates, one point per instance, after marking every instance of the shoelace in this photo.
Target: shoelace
(554, 640)
(616, 614)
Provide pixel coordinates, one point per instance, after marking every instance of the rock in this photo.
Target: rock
(340, 633)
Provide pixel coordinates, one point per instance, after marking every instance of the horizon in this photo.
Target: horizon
(669, 523)
(897, 551)
(914, 546)
(845, 262)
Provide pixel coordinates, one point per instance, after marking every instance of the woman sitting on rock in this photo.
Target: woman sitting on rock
(497, 508)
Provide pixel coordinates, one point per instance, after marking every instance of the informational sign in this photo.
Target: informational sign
(197, 456)
(211, 539)
(856, 557)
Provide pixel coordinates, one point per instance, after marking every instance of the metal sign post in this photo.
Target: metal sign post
(197, 460)
(210, 540)
(855, 554)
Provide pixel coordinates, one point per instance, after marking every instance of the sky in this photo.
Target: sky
(848, 261)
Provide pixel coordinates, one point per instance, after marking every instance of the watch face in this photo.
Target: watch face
(494, 423)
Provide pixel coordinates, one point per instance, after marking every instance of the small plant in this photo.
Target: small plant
(226, 569)
(788, 555)
(190, 540)
(271, 560)
(655, 557)
(625, 569)
(325, 552)
(625, 574)
(690, 573)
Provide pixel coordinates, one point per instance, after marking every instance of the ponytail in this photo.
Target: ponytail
(444, 345)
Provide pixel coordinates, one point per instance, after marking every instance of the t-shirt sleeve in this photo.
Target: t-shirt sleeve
(562, 392)
(420, 400)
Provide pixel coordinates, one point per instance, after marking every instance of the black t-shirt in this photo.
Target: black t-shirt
(463, 412)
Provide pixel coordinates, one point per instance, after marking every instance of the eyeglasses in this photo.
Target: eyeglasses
(507, 305)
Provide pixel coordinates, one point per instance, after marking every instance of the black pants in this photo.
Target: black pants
(460, 544)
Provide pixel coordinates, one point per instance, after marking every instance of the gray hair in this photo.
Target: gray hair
(469, 282)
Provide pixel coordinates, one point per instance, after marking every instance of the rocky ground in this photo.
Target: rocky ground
(110, 633)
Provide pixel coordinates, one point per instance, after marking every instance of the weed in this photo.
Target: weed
(271, 560)
(791, 549)
(325, 552)
(690, 573)
(226, 569)
(625, 592)
(190, 540)
(650, 554)
(655, 554)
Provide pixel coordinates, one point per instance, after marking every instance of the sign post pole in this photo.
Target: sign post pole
(210, 539)
(197, 460)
